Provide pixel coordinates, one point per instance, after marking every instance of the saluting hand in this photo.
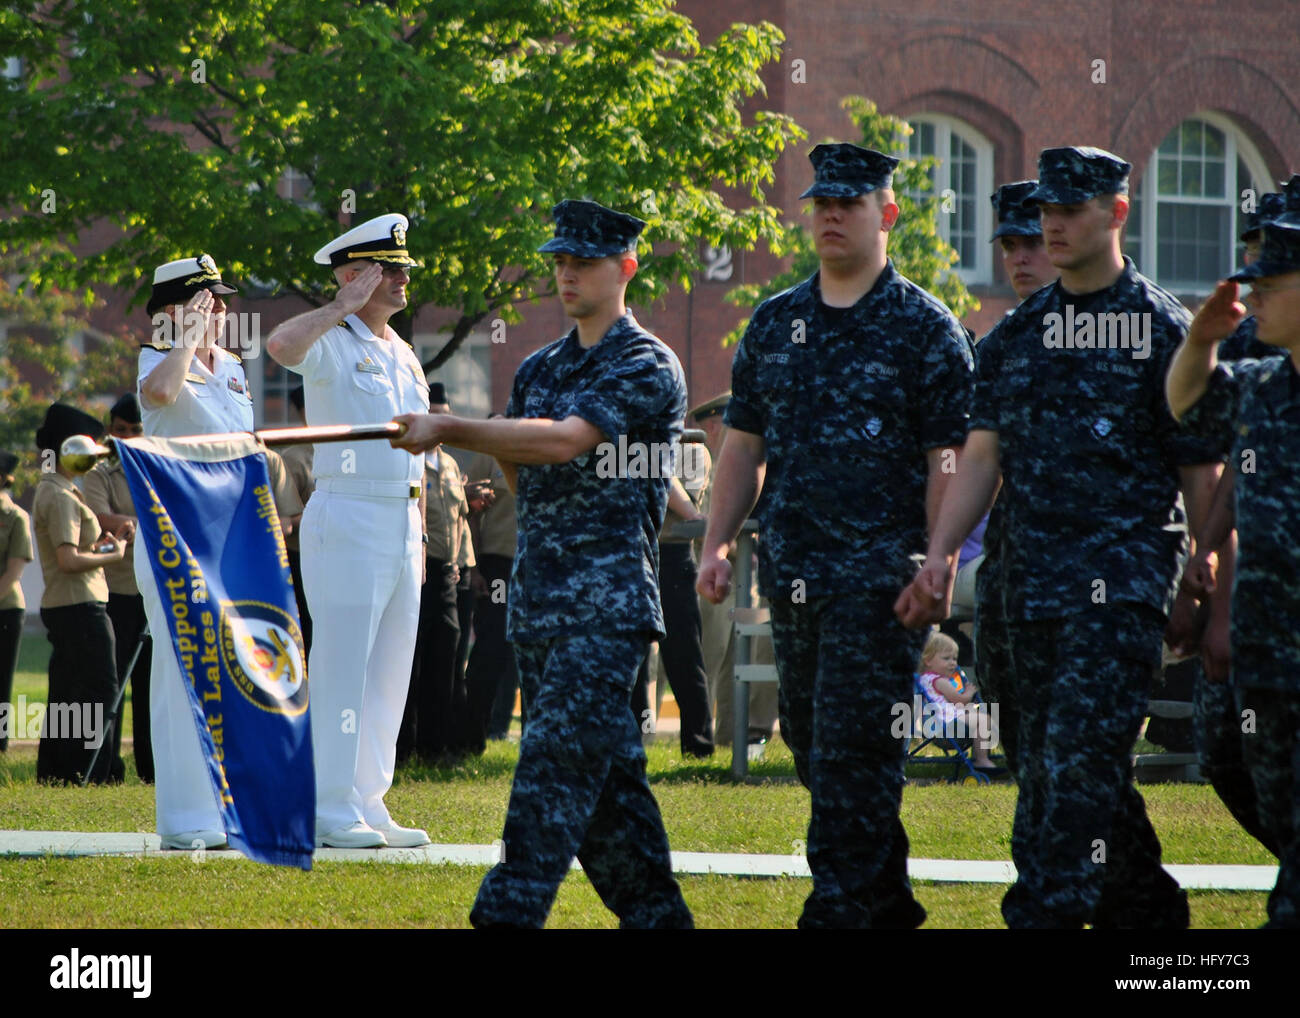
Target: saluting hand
(194, 320)
(355, 293)
(1218, 317)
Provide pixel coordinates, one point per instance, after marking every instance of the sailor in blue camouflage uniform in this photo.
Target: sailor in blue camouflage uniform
(1256, 405)
(1090, 461)
(1029, 269)
(587, 444)
(1216, 722)
(850, 394)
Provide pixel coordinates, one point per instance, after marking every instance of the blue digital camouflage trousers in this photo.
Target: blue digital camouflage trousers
(1082, 844)
(1272, 753)
(580, 790)
(993, 661)
(1216, 725)
(845, 663)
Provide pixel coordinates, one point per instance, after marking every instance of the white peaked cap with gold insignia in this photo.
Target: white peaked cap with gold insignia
(382, 239)
(176, 282)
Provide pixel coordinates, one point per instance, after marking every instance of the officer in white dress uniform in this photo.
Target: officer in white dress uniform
(188, 385)
(360, 538)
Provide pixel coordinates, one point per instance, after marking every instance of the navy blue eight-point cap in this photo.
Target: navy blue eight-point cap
(846, 171)
(1015, 216)
(586, 229)
(1270, 206)
(1279, 252)
(1068, 176)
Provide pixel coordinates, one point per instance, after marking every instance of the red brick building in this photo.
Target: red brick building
(1202, 98)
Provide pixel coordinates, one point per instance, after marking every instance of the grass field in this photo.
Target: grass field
(704, 810)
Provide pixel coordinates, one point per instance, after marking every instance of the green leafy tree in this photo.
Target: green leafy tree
(915, 246)
(184, 124)
(44, 363)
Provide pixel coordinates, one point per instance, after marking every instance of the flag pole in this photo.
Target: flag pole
(80, 452)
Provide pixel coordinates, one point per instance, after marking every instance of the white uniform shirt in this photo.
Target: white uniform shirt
(352, 376)
(210, 402)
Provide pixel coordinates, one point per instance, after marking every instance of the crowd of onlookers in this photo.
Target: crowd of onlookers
(464, 683)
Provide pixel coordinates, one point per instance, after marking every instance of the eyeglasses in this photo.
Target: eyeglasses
(1260, 292)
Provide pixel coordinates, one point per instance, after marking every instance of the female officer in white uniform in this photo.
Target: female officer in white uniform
(188, 385)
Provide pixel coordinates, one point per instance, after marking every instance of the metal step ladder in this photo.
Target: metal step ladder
(750, 623)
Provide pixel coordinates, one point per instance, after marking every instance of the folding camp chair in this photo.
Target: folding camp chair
(927, 729)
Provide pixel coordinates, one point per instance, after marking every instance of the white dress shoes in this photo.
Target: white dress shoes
(187, 840)
(403, 837)
(357, 834)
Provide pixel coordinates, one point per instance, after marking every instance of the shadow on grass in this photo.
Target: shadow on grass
(18, 767)
(489, 767)
(667, 765)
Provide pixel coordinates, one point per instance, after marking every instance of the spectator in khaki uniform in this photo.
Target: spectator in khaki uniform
(73, 551)
(492, 678)
(288, 506)
(681, 657)
(435, 698)
(106, 492)
(718, 633)
(15, 553)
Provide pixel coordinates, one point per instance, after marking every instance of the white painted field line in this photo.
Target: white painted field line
(76, 844)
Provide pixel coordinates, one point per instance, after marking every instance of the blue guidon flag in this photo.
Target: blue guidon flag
(208, 522)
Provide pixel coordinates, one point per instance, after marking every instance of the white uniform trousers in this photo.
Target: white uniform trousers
(184, 799)
(361, 561)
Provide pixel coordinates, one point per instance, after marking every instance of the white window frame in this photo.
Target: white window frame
(944, 127)
(1236, 146)
(426, 344)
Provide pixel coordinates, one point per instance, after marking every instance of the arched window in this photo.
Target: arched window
(1185, 219)
(963, 181)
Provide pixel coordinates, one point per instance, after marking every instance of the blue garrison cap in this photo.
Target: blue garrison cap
(589, 230)
(1016, 217)
(1068, 176)
(846, 171)
(1279, 251)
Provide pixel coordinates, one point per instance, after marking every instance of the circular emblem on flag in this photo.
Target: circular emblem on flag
(261, 648)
